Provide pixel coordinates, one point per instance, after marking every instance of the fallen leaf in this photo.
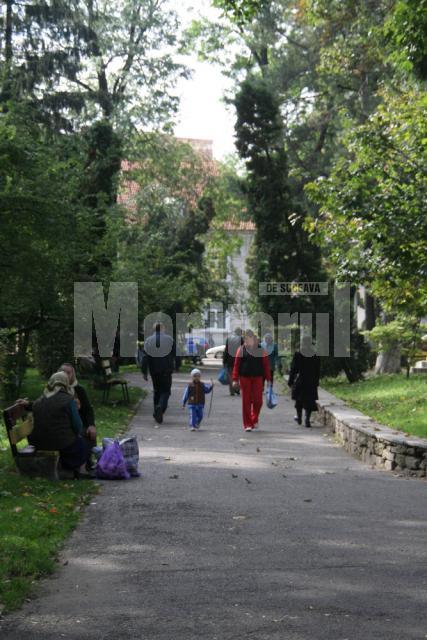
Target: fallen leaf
(174, 477)
(248, 481)
(233, 475)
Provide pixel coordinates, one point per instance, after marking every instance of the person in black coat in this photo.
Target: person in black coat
(57, 424)
(160, 360)
(304, 381)
(232, 345)
(85, 408)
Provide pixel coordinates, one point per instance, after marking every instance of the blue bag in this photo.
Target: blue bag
(271, 397)
(223, 376)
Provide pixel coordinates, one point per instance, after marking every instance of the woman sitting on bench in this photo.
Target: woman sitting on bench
(57, 424)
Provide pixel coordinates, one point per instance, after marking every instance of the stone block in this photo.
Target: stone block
(399, 449)
(378, 461)
(412, 463)
(389, 465)
(400, 460)
(388, 455)
(379, 448)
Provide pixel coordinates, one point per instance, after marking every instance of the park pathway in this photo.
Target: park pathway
(276, 534)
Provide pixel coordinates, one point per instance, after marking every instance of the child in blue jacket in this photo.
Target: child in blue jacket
(194, 397)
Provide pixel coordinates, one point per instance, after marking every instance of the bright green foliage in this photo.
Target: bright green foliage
(372, 207)
(402, 335)
(241, 10)
(408, 28)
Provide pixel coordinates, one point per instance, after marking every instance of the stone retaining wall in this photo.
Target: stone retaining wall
(373, 443)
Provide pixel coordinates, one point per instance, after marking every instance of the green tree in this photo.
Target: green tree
(372, 208)
(408, 31)
(162, 244)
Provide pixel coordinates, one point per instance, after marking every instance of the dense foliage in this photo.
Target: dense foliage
(345, 148)
(81, 84)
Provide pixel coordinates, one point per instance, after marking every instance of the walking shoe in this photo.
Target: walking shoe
(193, 429)
(248, 428)
(158, 414)
(298, 419)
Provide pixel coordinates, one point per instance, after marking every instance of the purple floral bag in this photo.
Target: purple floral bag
(112, 465)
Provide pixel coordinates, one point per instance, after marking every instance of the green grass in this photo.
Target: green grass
(37, 515)
(392, 400)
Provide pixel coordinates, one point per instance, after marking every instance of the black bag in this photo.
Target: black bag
(296, 388)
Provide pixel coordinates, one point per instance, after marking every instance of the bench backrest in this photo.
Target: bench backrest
(19, 424)
(106, 369)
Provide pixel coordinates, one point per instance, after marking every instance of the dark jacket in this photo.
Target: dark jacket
(304, 380)
(86, 410)
(232, 345)
(159, 354)
(251, 365)
(56, 422)
(195, 393)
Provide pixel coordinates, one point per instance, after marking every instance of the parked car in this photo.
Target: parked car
(215, 352)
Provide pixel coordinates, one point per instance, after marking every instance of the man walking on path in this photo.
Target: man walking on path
(159, 358)
(232, 345)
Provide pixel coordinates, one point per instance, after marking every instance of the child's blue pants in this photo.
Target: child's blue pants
(195, 414)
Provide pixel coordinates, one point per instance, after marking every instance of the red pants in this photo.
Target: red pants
(251, 392)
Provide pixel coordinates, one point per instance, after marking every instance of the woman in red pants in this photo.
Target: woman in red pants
(251, 368)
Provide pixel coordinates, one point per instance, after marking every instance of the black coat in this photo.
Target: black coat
(86, 410)
(304, 380)
(53, 426)
(232, 345)
(159, 355)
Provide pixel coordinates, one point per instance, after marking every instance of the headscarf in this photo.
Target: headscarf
(195, 372)
(57, 382)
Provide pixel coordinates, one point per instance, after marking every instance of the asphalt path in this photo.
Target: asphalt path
(276, 534)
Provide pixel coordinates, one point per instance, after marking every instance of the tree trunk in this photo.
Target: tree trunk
(370, 315)
(388, 361)
(6, 92)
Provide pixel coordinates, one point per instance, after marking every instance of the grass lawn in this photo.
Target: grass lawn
(392, 400)
(37, 515)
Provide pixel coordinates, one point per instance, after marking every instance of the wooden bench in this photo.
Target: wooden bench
(29, 460)
(111, 380)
